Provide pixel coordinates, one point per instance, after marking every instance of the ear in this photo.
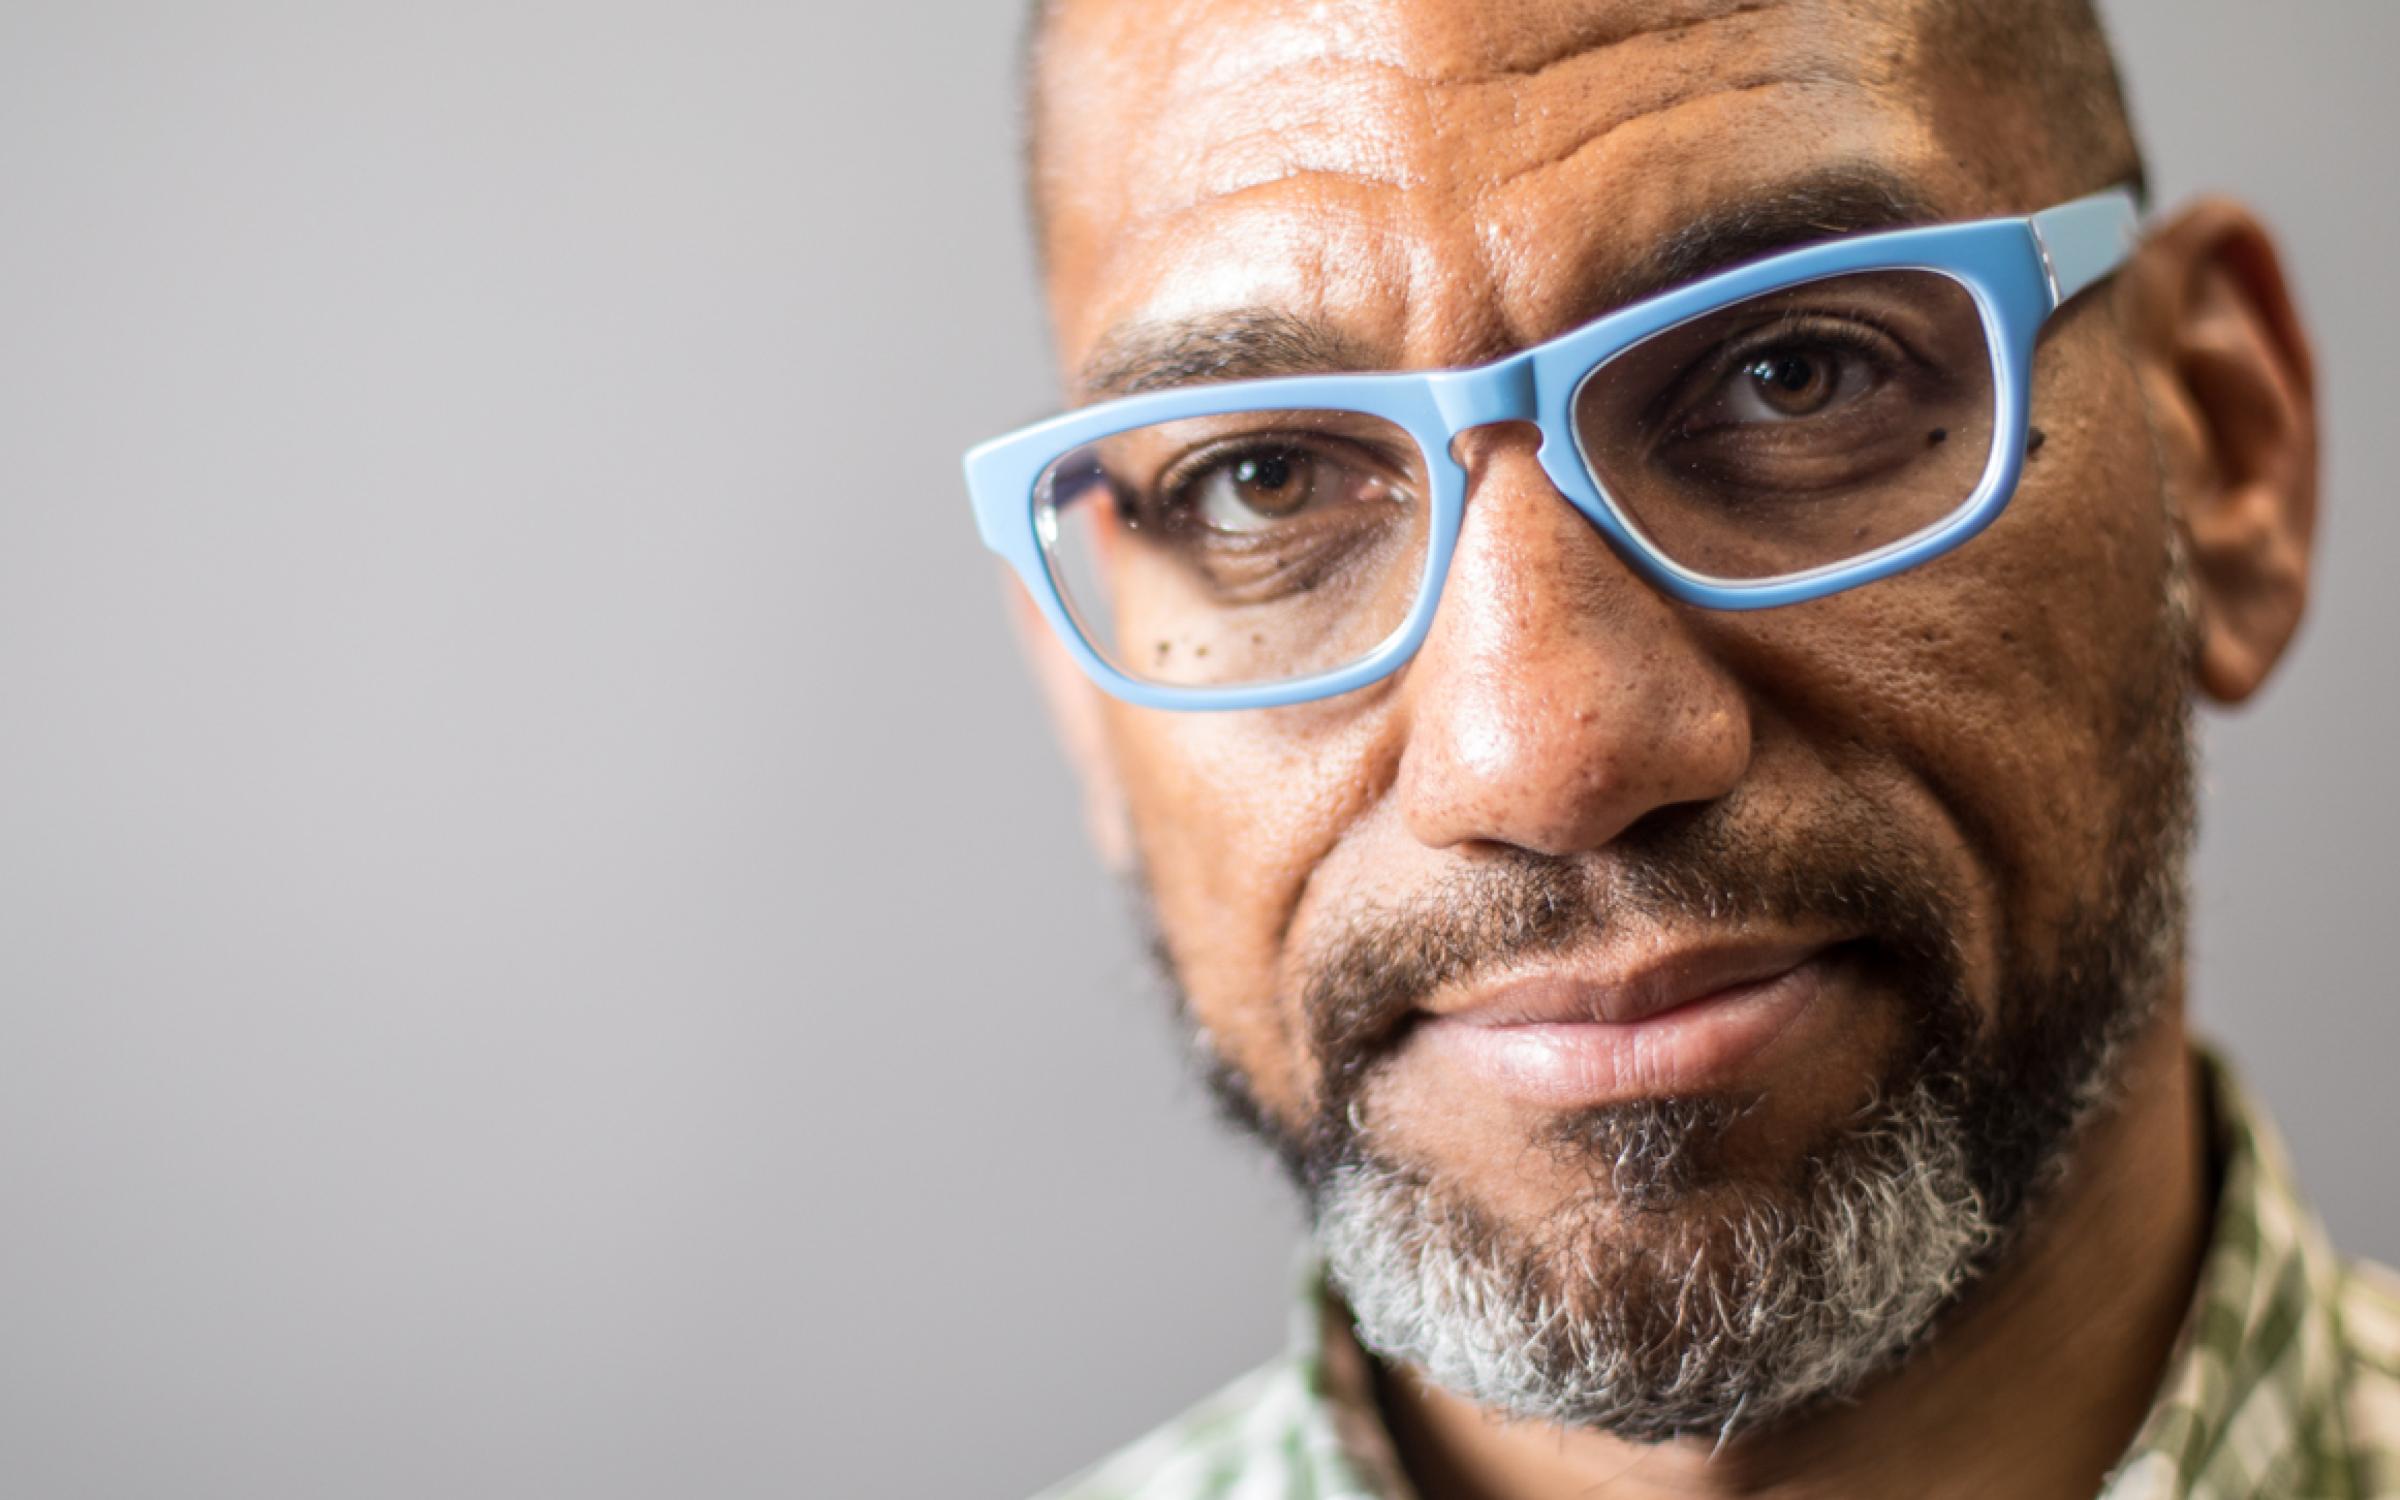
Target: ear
(1078, 713)
(2231, 387)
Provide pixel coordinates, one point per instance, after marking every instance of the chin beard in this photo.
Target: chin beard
(1669, 1297)
(1672, 1311)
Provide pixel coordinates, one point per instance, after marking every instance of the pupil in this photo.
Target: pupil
(1789, 373)
(1268, 474)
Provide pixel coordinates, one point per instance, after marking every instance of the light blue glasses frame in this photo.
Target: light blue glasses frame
(2018, 270)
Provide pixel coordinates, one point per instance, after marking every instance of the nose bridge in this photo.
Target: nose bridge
(1555, 700)
(1499, 392)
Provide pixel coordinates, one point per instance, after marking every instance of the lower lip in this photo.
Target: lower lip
(1699, 1045)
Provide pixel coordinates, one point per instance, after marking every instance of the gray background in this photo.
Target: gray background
(543, 949)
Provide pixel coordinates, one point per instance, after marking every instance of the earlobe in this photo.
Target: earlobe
(2231, 387)
(1077, 715)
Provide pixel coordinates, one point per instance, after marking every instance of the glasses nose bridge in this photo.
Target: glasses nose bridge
(1503, 391)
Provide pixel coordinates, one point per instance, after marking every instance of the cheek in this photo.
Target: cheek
(2008, 684)
(1232, 815)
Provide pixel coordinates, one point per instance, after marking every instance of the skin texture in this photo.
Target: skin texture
(1441, 182)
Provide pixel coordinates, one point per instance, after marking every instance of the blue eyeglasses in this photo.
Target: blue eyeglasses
(1774, 433)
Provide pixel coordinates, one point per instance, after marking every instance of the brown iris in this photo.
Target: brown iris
(1276, 482)
(1792, 385)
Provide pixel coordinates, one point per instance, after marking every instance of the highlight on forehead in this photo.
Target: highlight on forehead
(2051, 57)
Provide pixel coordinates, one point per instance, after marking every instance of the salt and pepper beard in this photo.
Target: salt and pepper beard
(1674, 1296)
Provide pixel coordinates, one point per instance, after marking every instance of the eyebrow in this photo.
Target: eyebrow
(1251, 342)
(1821, 206)
(1242, 343)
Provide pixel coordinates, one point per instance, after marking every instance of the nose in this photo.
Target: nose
(1558, 698)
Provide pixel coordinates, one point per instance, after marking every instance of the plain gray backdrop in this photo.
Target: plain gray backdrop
(544, 950)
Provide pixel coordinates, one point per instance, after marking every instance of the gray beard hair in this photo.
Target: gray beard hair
(1633, 1321)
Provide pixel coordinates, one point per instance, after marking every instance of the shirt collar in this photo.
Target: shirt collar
(2251, 1400)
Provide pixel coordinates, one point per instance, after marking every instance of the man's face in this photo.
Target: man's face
(1859, 849)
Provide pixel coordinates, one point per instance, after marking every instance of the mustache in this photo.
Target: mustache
(1846, 871)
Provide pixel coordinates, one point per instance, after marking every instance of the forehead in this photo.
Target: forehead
(1440, 180)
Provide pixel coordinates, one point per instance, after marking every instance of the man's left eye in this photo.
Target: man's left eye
(1787, 384)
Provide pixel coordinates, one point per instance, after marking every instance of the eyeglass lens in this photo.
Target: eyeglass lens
(1796, 429)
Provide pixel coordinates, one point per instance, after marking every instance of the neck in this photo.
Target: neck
(2033, 1387)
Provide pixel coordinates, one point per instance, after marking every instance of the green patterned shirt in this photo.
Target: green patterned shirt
(2284, 1383)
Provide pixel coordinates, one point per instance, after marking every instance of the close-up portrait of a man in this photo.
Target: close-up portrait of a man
(1627, 581)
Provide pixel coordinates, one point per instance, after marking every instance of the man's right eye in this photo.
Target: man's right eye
(1236, 510)
(1250, 491)
(1258, 488)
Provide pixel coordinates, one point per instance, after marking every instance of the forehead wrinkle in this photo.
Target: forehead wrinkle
(1603, 127)
(1494, 135)
(1652, 111)
(1500, 131)
(1418, 134)
(1505, 40)
(1558, 272)
(1269, 110)
(1286, 124)
(1336, 266)
(1242, 92)
(1148, 111)
(1494, 41)
(1501, 236)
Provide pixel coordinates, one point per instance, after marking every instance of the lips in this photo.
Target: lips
(1570, 1034)
(1605, 990)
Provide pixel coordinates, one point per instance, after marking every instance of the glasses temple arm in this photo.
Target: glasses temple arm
(2085, 240)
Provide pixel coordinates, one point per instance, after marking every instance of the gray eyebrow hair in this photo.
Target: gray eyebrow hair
(1250, 342)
